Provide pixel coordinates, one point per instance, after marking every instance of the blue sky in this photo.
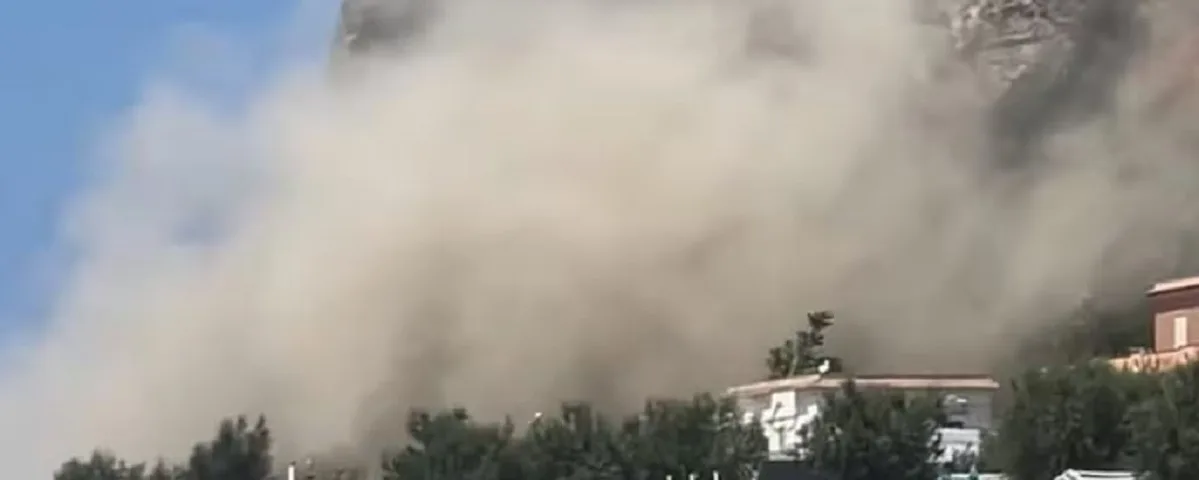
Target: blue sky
(69, 68)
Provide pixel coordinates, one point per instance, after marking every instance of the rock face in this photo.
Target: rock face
(1006, 38)
(379, 25)
(1003, 39)
(1042, 62)
(1047, 61)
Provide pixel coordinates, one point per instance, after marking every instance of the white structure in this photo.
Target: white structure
(1095, 475)
(785, 406)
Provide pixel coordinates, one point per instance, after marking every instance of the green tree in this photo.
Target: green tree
(875, 435)
(449, 445)
(239, 452)
(668, 437)
(987, 460)
(804, 352)
(100, 466)
(162, 471)
(1165, 434)
(578, 444)
(700, 435)
(1072, 416)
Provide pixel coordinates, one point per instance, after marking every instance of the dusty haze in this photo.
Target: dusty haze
(543, 202)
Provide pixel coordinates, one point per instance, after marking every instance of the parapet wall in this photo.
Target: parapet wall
(1153, 362)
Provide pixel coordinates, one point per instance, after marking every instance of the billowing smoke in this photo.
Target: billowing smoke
(570, 199)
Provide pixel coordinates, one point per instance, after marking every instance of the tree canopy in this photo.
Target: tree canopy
(803, 353)
(1165, 426)
(1090, 416)
(668, 437)
(239, 451)
(1064, 417)
(875, 435)
(1084, 415)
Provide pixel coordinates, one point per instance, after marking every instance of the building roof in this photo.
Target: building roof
(1174, 285)
(906, 382)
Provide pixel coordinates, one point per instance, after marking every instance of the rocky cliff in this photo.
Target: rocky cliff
(1041, 62)
(368, 26)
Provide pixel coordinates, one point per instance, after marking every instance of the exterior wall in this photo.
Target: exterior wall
(782, 415)
(1166, 334)
(1169, 306)
(1175, 305)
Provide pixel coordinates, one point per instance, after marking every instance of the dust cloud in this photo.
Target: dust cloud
(552, 200)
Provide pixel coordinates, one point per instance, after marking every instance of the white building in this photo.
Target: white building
(785, 406)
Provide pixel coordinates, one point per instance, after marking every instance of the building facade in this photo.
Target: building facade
(784, 407)
(1175, 314)
(1175, 307)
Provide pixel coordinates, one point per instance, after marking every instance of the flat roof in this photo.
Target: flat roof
(1174, 285)
(902, 381)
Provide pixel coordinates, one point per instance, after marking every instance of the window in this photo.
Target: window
(1180, 332)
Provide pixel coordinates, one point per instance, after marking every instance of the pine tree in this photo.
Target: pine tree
(804, 352)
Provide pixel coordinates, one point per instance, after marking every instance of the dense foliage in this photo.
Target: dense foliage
(1067, 417)
(238, 452)
(1083, 416)
(1089, 416)
(875, 435)
(1165, 426)
(670, 437)
(803, 353)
